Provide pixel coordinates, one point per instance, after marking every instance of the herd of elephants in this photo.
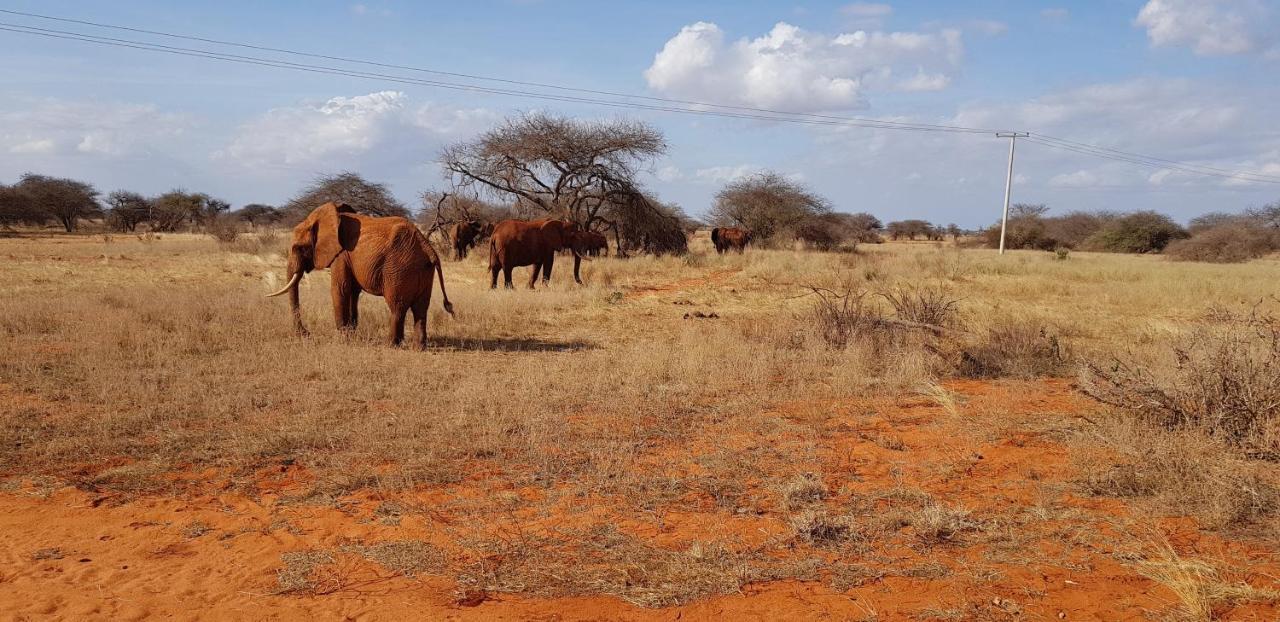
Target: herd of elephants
(389, 256)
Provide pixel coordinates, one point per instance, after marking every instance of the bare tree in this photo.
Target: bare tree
(346, 187)
(65, 200)
(563, 167)
(767, 204)
(126, 210)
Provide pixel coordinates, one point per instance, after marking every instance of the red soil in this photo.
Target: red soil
(79, 555)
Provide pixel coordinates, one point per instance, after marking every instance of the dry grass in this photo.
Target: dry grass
(127, 360)
(1202, 590)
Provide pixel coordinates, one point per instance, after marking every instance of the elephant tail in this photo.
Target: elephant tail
(434, 258)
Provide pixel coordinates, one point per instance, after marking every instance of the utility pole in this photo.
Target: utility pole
(1008, 182)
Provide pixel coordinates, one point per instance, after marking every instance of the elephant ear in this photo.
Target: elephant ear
(333, 233)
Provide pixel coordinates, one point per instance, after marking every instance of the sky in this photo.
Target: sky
(1184, 80)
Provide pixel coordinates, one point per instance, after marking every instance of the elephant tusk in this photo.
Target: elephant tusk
(297, 276)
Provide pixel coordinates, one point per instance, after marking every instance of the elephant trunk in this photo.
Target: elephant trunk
(296, 269)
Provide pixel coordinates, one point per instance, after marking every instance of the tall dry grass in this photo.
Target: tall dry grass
(124, 360)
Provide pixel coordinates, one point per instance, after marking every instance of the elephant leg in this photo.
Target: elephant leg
(533, 276)
(506, 277)
(398, 312)
(493, 280)
(546, 268)
(419, 309)
(353, 315)
(341, 291)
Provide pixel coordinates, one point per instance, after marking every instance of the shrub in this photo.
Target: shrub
(1228, 243)
(1139, 232)
(931, 305)
(224, 229)
(767, 204)
(1222, 380)
(1010, 348)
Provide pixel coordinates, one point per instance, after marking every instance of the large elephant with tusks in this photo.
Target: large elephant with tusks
(386, 257)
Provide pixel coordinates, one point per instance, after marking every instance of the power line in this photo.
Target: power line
(1164, 163)
(1160, 164)
(905, 124)
(660, 105)
(322, 69)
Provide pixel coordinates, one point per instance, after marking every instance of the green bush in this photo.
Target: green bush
(1139, 232)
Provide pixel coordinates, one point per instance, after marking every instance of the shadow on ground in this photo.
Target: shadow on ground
(514, 344)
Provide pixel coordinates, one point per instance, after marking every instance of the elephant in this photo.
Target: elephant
(467, 234)
(534, 243)
(593, 243)
(726, 238)
(384, 256)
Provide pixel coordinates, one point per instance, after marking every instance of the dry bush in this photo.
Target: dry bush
(1229, 243)
(935, 523)
(1222, 380)
(802, 490)
(1182, 473)
(821, 529)
(225, 229)
(300, 573)
(923, 304)
(1013, 348)
(262, 243)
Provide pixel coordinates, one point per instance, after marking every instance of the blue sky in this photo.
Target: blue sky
(1188, 80)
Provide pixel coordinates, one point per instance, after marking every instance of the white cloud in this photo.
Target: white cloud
(41, 146)
(925, 82)
(342, 127)
(795, 69)
(109, 129)
(669, 174)
(1056, 14)
(1078, 179)
(359, 9)
(725, 174)
(1209, 27)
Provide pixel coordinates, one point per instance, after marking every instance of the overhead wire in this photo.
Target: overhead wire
(306, 67)
(660, 104)
(345, 59)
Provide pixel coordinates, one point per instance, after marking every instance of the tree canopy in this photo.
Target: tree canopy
(346, 187)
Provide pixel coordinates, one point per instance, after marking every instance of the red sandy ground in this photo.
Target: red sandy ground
(132, 560)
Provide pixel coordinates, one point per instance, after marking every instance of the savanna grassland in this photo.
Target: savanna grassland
(909, 432)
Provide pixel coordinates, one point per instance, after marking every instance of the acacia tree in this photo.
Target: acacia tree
(126, 210)
(911, 229)
(579, 170)
(767, 204)
(66, 200)
(258, 214)
(17, 208)
(171, 209)
(346, 187)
